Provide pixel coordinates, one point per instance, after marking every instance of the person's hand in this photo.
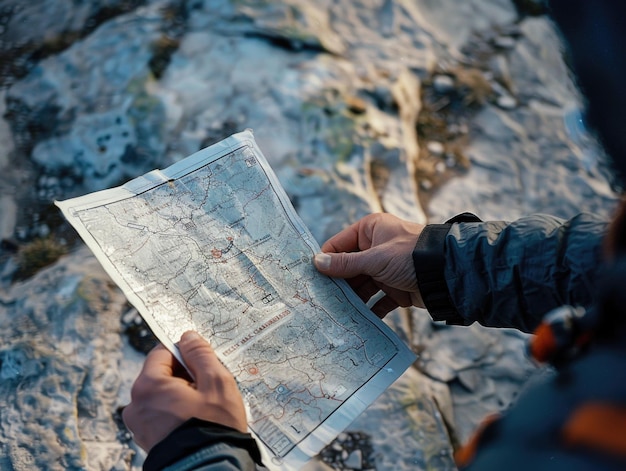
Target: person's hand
(164, 396)
(375, 254)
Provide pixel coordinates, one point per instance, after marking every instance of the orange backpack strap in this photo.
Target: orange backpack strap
(598, 426)
(465, 455)
(544, 344)
(562, 335)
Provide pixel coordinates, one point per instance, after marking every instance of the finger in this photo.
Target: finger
(181, 372)
(159, 362)
(345, 241)
(384, 306)
(400, 297)
(201, 360)
(345, 264)
(128, 417)
(364, 287)
(359, 281)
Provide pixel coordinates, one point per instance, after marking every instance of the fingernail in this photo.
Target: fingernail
(190, 336)
(322, 261)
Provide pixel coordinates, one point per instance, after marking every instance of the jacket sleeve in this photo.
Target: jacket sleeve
(198, 445)
(507, 274)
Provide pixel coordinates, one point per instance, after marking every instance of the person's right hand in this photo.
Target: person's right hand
(164, 396)
(373, 254)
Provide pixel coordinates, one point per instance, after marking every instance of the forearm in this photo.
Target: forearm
(509, 274)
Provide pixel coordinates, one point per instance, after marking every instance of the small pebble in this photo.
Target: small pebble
(355, 460)
(43, 230)
(506, 102)
(505, 42)
(129, 316)
(443, 83)
(435, 148)
(426, 185)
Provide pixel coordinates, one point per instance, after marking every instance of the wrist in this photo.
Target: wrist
(194, 435)
(429, 260)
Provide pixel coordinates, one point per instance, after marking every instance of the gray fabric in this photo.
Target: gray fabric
(218, 457)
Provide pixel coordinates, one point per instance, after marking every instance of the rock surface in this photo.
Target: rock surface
(60, 360)
(422, 109)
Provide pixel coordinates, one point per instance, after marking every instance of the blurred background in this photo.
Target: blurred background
(418, 108)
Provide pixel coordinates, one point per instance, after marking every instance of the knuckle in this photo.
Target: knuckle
(349, 264)
(220, 377)
(197, 350)
(220, 381)
(143, 387)
(127, 414)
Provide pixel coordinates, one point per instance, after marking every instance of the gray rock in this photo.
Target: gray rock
(100, 159)
(8, 216)
(37, 23)
(484, 368)
(537, 68)
(507, 148)
(98, 84)
(61, 380)
(355, 460)
(6, 139)
(420, 410)
(453, 24)
(39, 392)
(505, 42)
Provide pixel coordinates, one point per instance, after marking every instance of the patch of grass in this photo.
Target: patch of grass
(471, 86)
(174, 26)
(432, 124)
(444, 120)
(162, 50)
(38, 254)
(380, 176)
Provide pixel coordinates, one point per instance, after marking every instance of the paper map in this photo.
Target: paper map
(213, 244)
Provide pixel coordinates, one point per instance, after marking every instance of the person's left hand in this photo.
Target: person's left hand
(163, 396)
(373, 254)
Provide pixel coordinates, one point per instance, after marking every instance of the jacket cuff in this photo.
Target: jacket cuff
(429, 261)
(194, 435)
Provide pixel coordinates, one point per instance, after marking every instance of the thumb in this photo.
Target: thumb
(198, 355)
(343, 264)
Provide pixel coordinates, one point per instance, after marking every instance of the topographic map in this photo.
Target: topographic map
(213, 244)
